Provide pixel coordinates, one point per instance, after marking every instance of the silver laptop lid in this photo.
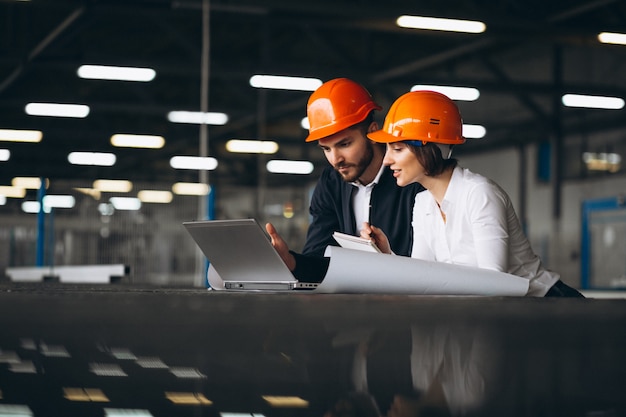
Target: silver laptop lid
(242, 254)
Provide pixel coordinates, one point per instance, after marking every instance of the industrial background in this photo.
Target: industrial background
(561, 165)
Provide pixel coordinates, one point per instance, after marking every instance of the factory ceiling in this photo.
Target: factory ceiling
(532, 52)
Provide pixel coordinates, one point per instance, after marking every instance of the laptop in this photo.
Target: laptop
(243, 256)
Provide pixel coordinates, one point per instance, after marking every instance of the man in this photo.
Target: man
(356, 188)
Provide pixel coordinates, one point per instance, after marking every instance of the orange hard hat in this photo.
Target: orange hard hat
(422, 117)
(336, 105)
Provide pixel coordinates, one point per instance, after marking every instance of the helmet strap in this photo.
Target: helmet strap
(446, 150)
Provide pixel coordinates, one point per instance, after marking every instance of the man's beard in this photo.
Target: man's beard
(361, 165)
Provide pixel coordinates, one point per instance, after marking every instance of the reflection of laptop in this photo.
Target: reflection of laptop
(242, 255)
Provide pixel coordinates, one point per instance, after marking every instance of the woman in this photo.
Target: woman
(464, 218)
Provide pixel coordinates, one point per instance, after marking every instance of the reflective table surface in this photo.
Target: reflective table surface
(125, 351)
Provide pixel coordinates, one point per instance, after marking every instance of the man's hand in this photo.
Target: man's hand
(281, 247)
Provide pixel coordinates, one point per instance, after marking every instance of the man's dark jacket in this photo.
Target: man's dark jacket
(391, 209)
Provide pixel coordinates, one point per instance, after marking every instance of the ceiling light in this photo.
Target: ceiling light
(85, 394)
(91, 158)
(154, 196)
(190, 188)
(12, 192)
(197, 117)
(137, 141)
(59, 201)
(435, 23)
(592, 102)
(285, 83)
(289, 167)
(30, 183)
(103, 72)
(193, 162)
(125, 412)
(151, 363)
(251, 146)
(188, 398)
(454, 93)
(616, 38)
(113, 186)
(11, 135)
(5, 154)
(187, 373)
(57, 110)
(3, 200)
(32, 207)
(125, 203)
(285, 401)
(15, 410)
(474, 131)
(305, 123)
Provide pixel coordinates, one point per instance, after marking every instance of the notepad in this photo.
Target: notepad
(355, 242)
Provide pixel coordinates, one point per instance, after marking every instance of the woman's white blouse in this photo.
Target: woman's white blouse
(481, 230)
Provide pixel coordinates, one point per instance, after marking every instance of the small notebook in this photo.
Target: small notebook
(355, 242)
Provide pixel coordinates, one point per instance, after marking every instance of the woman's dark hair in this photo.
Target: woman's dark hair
(429, 156)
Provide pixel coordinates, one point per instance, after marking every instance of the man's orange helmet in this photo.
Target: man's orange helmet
(422, 117)
(336, 105)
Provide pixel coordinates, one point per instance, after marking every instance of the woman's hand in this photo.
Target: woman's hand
(377, 236)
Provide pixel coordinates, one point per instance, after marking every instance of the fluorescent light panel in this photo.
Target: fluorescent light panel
(123, 140)
(32, 207)
(610, 37)
(154, 196)
(125, 203)
(104, 159)
(276, 166)
(188, 398)
(474, 131)
(454, 93)
(104, 72)
(252, 146)
(5, 155)
(113, 186)
(13, 135)
(15, 410)
(190, 188)
(3, 201)
(58, 201)
(285, 401)
(592, 102)
(196, 117)
(57, 110)
(435, 23)
(30, 183)
(12, 192)
(278, 82)
(193, 162)
(126, 412)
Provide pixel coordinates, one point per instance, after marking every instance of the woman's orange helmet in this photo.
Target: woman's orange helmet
(336, 105)
(422, 116)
